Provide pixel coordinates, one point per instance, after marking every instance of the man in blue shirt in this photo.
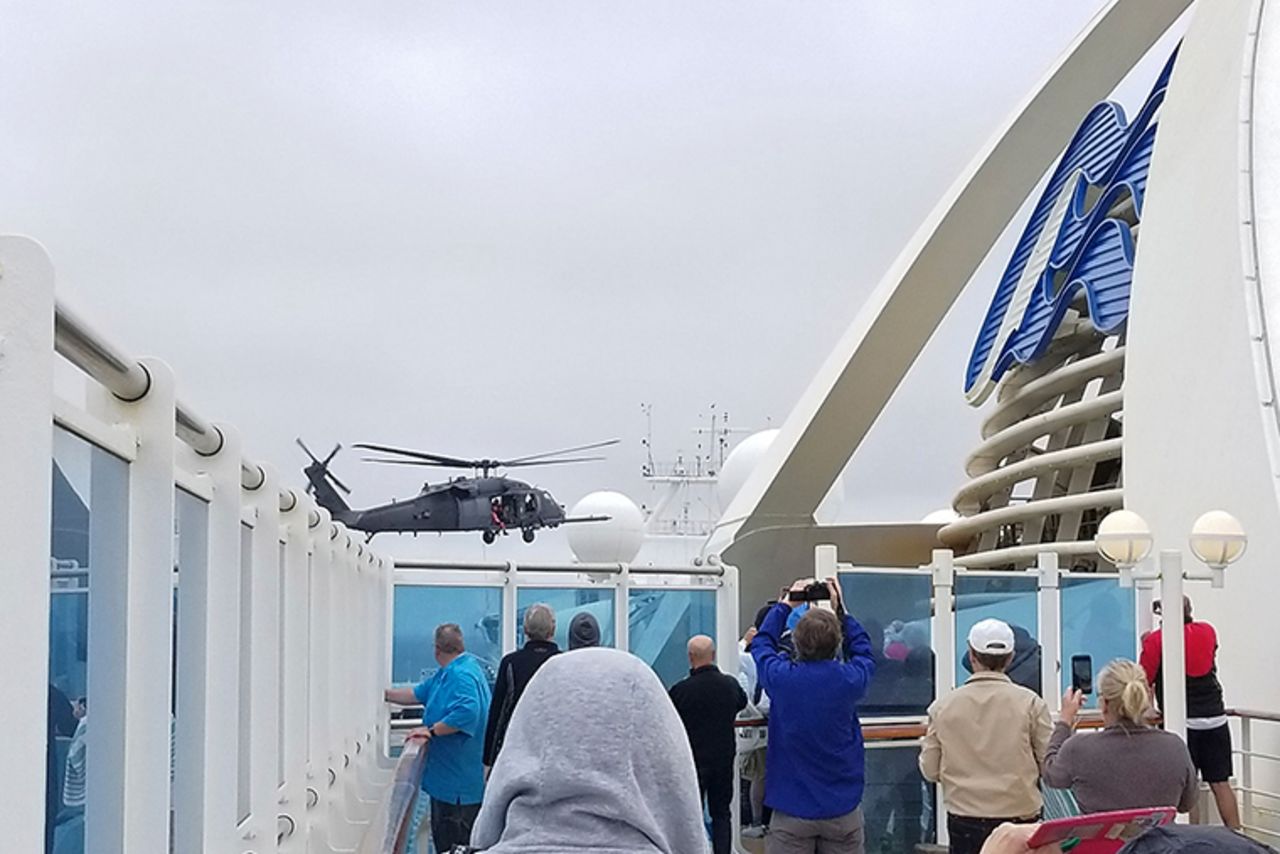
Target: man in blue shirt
(455, 702)
(815, 754)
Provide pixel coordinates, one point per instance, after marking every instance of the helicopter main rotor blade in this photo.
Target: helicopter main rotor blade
(514, 465)
(454, 462)
(590, 447)
(430, 463)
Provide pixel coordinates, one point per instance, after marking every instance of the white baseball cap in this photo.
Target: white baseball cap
(993, 637)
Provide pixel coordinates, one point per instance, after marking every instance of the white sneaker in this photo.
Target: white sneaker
(755, 831)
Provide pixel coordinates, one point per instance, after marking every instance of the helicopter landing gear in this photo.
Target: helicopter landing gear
(488, 537)
(527, 535)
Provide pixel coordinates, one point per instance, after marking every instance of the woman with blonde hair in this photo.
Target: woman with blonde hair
(1128, 764)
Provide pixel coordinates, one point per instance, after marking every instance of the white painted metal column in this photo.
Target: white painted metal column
(1173, 643)
(319, 793)
(26, 451)
(944, 647)
(510, 607)
(131, 621)
(205, 782)
(1050, 604)
(264, 664)
(293, 669)
(727, 606)
(622, 609)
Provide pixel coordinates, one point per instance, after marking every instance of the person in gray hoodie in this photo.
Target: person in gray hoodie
(595, 759)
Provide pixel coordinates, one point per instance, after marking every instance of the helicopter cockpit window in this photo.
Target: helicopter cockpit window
(529, 504)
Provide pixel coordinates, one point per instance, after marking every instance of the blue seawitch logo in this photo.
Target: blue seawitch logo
(1079, 237)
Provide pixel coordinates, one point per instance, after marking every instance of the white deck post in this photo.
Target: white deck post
(264, 664)
(1173, 644)
(26, 451)
(944, 647)
(293, 668)
(208, 654)
(319, 794)
(1050, 602)
(622, 609)
(131, 621)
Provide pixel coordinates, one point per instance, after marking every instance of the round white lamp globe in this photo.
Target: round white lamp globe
(617, 540)
(1218, 539)
(1124, 538)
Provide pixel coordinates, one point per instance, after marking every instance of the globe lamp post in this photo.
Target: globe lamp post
(1217, 539)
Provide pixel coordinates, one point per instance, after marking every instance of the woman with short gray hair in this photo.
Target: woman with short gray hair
(514, 673)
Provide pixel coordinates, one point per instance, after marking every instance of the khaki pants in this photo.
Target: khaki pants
(839, 835)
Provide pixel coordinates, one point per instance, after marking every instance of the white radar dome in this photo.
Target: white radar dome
(617, 540)
(742, 460)
(748, 454)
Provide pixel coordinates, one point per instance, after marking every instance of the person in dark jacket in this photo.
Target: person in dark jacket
(514, 672)
(708, 701)
(815, 754)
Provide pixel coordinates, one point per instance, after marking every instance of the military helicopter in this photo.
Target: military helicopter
(490, 504)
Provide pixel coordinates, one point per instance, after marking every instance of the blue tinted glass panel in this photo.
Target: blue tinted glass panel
(419, 609)
(89, 526)
(569, 603)
(1098, 620)
(1013, 600)
(898, 806)
(660, 623)
(896, 610)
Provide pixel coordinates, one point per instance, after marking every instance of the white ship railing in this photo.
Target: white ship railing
(305, 770)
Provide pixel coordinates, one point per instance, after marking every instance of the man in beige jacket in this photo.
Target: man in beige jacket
(985, 743)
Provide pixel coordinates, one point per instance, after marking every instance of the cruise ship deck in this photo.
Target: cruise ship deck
(230, 642)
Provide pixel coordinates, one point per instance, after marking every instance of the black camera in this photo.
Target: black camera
(814, 591)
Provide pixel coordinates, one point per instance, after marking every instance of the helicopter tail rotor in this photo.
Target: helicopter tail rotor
(322, 468)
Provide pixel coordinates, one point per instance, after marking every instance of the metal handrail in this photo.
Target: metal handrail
(715, 571)
(128, 379)
(1274, 717)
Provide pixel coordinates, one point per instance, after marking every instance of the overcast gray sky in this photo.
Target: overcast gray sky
(497, 228)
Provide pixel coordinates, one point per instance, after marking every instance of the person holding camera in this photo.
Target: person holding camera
(985, 743)
(815, 754)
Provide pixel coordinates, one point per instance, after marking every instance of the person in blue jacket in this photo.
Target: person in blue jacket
(815, 753)
(455, 702)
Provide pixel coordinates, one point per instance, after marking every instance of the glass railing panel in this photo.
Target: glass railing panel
(897, 804)
(660, 623)
(89, 539)
(419, 609)
(1098, 620)
(1013, 599)
(568, 602)
(896, 610)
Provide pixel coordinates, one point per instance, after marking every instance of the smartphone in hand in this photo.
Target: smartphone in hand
(1082, 673)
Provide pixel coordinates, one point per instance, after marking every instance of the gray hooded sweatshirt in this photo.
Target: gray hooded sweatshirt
(595, 760)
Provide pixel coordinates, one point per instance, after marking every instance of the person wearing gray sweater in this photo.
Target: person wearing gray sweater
(595, 759)
(1128, 765)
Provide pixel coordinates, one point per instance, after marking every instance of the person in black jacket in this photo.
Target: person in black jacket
(514, 672)
(707, 702)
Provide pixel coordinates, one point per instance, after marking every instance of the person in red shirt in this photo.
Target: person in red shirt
(1208, 734)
